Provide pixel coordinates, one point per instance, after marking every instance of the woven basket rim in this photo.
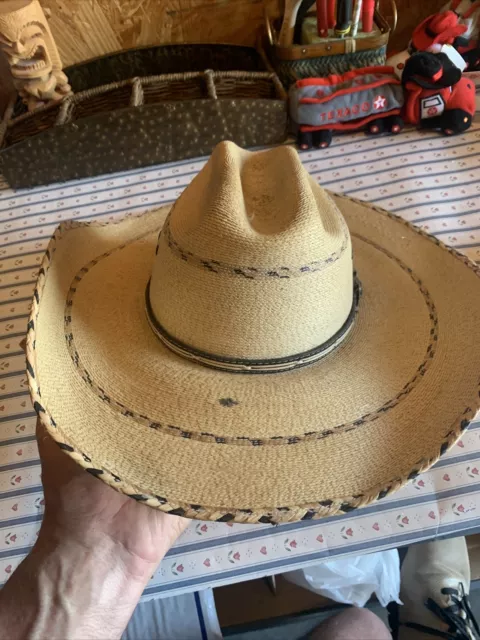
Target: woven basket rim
(77, 98)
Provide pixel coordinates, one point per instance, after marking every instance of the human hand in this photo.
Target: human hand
(81, 508)
(95, 553)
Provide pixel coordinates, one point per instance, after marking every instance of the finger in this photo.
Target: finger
(49, 450)
(46, 446)
(57, 466)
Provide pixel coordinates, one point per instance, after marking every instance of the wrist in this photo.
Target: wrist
(87, 588)
(101, 547)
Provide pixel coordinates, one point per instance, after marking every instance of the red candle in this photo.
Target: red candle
(322, 18)
(368, 10)
(331, 14)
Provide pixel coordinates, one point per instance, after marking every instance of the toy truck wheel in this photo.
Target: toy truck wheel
(305, 140)
(376, 126)
(394, 124)
(455, 121)
(322, 139)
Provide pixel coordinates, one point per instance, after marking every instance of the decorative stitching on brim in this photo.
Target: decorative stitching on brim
(249, 272)
(313, 510)
(280, 439)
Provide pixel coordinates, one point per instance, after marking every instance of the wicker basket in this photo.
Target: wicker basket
(162, 60)
(293, 61)
(143, 121)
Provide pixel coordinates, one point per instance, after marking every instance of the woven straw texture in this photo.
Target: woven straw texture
(263, 216)
(206, 444)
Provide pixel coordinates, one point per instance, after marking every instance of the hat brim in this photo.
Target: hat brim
(211, 445)
(422, 41)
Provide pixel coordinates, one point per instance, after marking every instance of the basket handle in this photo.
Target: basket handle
(271, 33)
(393, 5)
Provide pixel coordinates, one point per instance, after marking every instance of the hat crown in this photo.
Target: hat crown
(442, 21)
(254, 261)
(259, 208)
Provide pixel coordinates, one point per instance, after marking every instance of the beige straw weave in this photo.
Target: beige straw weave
(254, 264)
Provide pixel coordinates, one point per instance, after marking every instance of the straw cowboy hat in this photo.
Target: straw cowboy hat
(262, 351)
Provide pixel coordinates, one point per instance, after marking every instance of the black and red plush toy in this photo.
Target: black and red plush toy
(370, 98)
(446, 29)
(437, 96)
(431, 94)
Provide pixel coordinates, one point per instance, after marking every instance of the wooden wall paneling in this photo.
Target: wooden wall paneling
(410, 14)
(85, 29)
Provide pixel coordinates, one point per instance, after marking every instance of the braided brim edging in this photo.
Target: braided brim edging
(274, 515)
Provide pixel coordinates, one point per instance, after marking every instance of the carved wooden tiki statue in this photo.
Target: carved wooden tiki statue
(27, 41)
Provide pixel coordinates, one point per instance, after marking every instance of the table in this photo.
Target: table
(431, 180)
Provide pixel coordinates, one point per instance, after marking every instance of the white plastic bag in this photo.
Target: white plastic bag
(353, 579)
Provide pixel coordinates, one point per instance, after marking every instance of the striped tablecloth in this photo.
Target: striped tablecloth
(431, 180)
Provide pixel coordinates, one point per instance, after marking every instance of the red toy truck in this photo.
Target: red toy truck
(437, 96)
(370, 98)
(431, 94)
